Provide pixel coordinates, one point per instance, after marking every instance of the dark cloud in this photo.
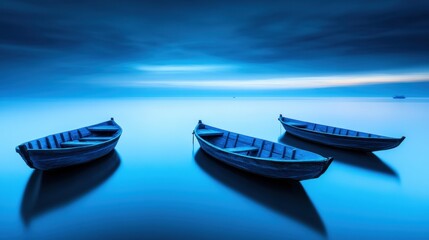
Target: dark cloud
(284, 36)
(51, 40)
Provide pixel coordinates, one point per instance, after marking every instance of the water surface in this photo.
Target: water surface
(157, 184)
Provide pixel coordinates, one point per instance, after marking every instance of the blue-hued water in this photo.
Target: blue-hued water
(159, 185)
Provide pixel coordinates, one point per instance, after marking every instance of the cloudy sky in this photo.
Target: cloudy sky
(138, 48)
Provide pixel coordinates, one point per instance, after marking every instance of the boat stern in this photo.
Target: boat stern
(199, 125)
(400, 141)
(325, 166)
(23, 152)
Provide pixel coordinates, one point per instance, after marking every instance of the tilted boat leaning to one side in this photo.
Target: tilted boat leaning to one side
(71, 147)
(338, 137)
(260, 156)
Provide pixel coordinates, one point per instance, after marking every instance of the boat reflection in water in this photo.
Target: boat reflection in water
(286, 197)
(364, 160)
(46, 191)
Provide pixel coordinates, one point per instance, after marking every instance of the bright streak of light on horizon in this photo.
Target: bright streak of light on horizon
(278, 83)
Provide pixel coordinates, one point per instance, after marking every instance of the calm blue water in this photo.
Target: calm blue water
(158, 185)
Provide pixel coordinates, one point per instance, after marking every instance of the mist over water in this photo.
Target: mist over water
(157, 184)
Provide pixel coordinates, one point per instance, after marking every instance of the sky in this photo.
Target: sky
(156, 48)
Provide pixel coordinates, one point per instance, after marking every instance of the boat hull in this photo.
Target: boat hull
(352, 143)
(47, 160)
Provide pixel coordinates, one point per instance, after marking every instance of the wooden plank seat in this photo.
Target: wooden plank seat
(91, 139)
(242, 149)
(103, 129)
(209, 133)
(77, 144)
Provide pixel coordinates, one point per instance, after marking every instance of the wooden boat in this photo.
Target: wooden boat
(338, 137)
(259, 156)
(71, 147)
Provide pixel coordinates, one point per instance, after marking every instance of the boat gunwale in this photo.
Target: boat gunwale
(323, 160)
(381, 137)
(114, 138)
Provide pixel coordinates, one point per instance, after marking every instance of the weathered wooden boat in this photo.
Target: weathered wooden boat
(71, 147)
(260, 156)
(338, 137)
